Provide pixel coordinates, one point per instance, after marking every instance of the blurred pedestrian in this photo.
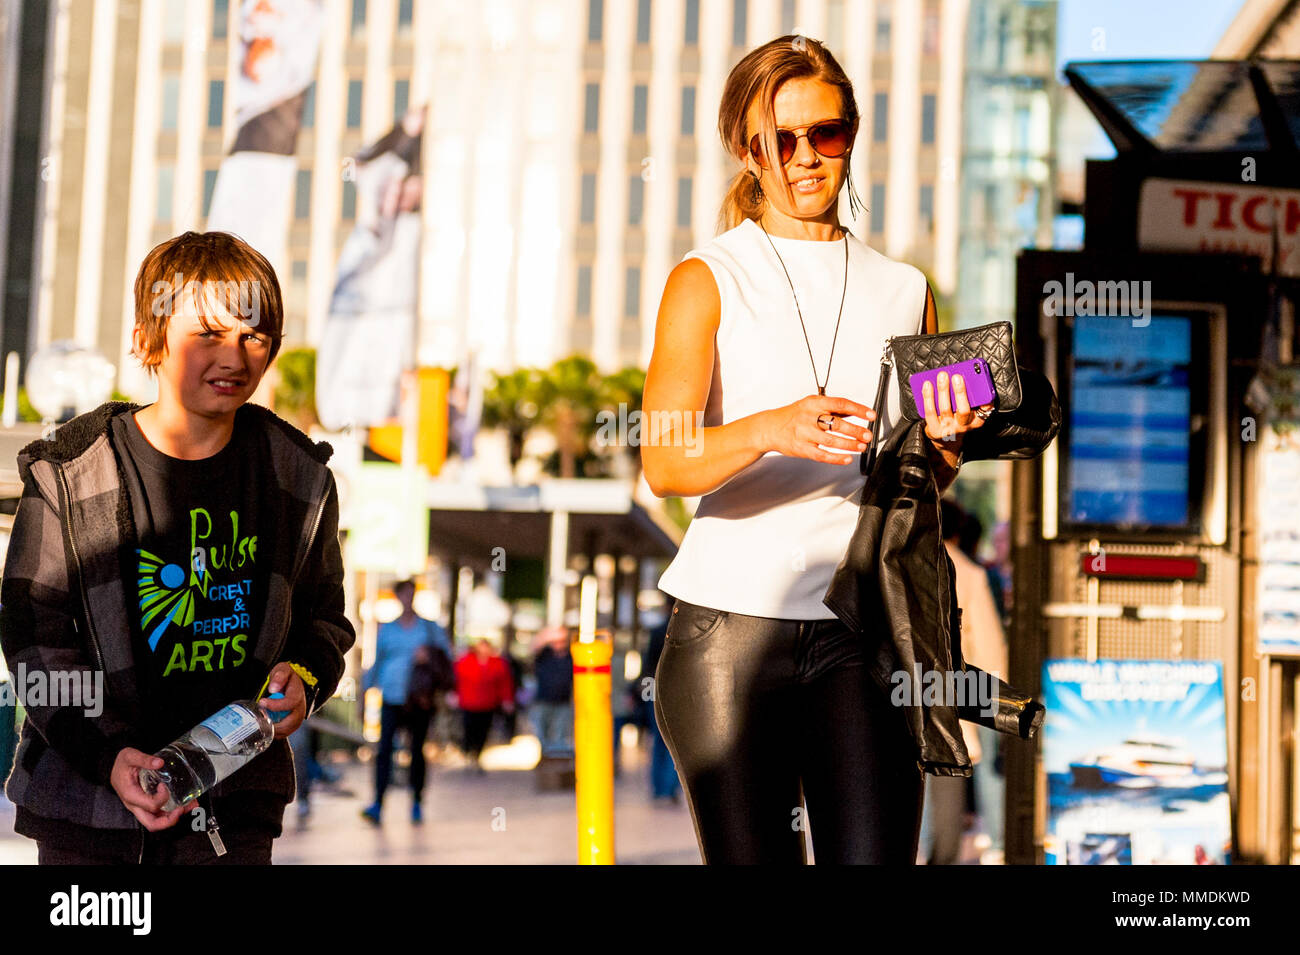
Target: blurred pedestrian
(483, 686)
(664, 784)
(983, 645)
(409, 653)
(552, 710)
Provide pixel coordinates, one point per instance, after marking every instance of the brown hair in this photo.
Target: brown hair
(760, 74)
(240, 278)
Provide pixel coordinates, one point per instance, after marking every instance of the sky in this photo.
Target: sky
(1140, 29)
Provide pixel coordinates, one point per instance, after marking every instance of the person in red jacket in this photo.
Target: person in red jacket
(483, 685)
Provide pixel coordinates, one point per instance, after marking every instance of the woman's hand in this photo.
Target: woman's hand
(793, 430)
(945, 425)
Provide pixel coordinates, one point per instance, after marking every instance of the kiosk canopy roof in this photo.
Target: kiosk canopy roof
(1193, 106)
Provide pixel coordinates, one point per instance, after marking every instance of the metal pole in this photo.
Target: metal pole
(593, 734)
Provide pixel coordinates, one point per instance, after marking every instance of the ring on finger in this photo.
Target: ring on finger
(984, 412)
(826, 422)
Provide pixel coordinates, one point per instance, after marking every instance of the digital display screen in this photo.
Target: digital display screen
(1129, 429)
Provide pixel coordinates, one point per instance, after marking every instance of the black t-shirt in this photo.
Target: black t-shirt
(198, 586)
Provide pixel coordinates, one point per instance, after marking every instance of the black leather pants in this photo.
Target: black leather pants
(751, 707)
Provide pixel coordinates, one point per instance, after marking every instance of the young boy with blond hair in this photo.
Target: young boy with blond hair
(185, 551)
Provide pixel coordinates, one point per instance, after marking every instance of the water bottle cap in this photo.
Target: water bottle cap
(274, 715)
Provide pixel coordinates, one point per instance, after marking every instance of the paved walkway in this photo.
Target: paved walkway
(498, 818)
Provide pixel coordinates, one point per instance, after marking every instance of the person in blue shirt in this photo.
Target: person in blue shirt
(401, 643)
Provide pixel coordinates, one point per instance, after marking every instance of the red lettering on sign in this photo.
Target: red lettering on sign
(1190, 199)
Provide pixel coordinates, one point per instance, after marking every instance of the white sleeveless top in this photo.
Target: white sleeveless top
(767, 542)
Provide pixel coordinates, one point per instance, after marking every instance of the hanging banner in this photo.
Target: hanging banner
(1136, 755)
(390, 520)
(368, 338)
(254, 193)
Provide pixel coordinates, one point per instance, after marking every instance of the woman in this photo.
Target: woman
(761, 691)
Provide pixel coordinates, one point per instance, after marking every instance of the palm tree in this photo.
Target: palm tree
(620, 394)
(295, 389)
(569, 400)
(513, 403)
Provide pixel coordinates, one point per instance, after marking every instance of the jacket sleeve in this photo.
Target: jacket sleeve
(42, 642)
(320, 632)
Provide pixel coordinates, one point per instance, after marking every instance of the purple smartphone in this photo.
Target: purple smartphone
(974, 373)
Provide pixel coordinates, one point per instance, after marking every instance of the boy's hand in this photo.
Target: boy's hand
(125, 780)
(283, 679)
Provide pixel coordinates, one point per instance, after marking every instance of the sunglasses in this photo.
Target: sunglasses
(829, 138)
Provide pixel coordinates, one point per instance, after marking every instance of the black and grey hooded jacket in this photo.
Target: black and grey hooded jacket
(64, 608)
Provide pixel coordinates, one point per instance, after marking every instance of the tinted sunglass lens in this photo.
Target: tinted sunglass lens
(829, 139)
(789, 142)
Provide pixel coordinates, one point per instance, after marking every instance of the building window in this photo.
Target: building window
(216, 99)
(405, 14)
(349, 210)
(684, 202)
(299, 272)
(884, 26)
(309, 106)
(584, 290)
(787, 16)
(166, 186)
(209, 187)
(879, 117)
(302, 195)
(401, 98)
(354, 104)
(640, 95)
(642, 21)
(220, 19)
(927, 208)
(688, 110)
(591, 109)
(877, 208)
(595, 18)
(587, 209)
(692, 37)
(358, 15)
(739, 24)
(635, 199)
(171, 98)
(927, 119)
(632, 293)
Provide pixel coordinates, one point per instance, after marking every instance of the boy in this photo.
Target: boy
(186, 553)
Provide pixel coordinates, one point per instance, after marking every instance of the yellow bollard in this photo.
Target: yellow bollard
(593, 743)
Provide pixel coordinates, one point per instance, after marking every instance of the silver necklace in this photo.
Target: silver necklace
(821, 388)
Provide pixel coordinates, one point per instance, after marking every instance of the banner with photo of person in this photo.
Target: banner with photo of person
(254, 193)
(368, 338)
(1136, 754)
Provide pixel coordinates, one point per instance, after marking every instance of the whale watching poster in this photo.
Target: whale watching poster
(1136, 755)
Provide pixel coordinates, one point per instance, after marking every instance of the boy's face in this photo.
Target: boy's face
(210, 372)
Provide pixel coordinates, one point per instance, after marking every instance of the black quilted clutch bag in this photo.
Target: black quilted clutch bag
(916, 353)
(1011, 436)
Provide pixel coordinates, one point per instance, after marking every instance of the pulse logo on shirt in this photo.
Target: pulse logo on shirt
(192, 602)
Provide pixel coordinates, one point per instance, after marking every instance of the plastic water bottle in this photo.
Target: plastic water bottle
(211, 751)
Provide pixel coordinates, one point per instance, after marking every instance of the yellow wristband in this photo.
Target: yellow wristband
(303, 672)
